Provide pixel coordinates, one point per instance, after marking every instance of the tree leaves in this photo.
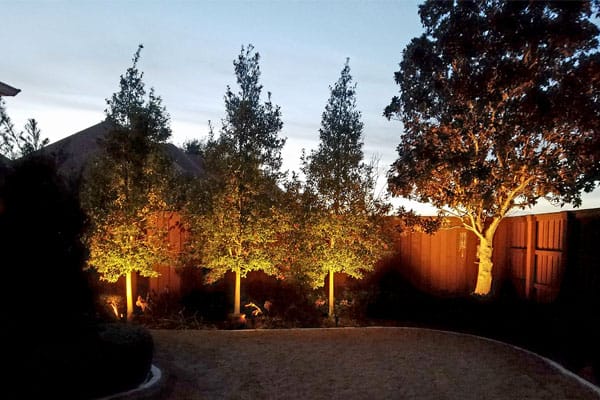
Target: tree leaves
(129, 182)
(233, 214)
(497, 111)
(342, 215)
(492, 96)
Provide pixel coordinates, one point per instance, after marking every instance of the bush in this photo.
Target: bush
(125, 356)
(104, 360)
(49, 335)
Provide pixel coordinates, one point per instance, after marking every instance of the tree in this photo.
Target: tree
(344, 221)
(237, 227)
(499, 102)
(128, 183)
(15, 144)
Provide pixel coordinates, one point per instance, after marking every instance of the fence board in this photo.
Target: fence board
(532, 252)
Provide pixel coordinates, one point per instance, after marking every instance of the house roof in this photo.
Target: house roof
(7, 90)
(73, 152)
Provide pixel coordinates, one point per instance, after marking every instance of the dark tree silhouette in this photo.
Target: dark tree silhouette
(46, 301)
(41, 227)
(15, 144)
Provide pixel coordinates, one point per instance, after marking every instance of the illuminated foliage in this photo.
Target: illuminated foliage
(128, 183)
(342, 225)
(125, 247)
(499, 102)
(234, 221)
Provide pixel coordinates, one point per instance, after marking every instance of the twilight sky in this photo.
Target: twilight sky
(67, 56)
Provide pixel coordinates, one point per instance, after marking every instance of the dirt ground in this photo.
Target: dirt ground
(352, 363)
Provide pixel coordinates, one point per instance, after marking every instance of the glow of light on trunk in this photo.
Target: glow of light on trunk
(484, 276)
(129, 296)
(236, 301)
(331, 298)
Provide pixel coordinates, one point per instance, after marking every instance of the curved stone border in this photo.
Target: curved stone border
(154, 379)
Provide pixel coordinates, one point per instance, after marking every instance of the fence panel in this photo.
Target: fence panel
(550, 255)
(438, 263)
(516, 267)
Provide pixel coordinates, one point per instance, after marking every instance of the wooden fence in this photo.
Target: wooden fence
(533, 254)
(441, 263)
(168, 279)
(542, 256)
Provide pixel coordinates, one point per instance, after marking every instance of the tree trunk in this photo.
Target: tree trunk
(484, 254)
(129, 296)
(236, 299)
(331, 298)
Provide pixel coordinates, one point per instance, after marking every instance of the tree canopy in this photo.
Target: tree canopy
(128, 183)
(235, 221)
(343, 215)
(500, 107)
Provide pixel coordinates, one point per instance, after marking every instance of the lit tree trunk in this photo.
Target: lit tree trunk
(236, 299)
(129, 295)
(484, 254)
(331, 298)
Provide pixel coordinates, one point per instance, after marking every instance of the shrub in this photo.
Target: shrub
(125, 356)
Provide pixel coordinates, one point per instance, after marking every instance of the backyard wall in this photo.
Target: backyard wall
(541, 256)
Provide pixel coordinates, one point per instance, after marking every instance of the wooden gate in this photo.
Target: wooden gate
(537, 254)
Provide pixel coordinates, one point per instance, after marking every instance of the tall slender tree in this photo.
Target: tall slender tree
(344, 218)
(128, 183)
(238, 228)
(500, 107)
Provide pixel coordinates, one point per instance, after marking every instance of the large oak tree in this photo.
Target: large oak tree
(500, 106)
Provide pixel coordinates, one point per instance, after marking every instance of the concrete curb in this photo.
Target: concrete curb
(145, 388)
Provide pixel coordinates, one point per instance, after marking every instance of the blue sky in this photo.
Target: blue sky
(66, 57)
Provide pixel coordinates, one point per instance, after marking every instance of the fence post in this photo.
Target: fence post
(530, 256)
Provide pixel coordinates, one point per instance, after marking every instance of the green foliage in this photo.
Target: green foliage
(342, 215)
(15, 144)
(233, 216)
(335, 171)
(129, 182)
(496, 111)
(193, 147)
(251, 128)
(125, 248)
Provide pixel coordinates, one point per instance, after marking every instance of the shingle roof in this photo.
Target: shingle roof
(73, 152)
(7, 90)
